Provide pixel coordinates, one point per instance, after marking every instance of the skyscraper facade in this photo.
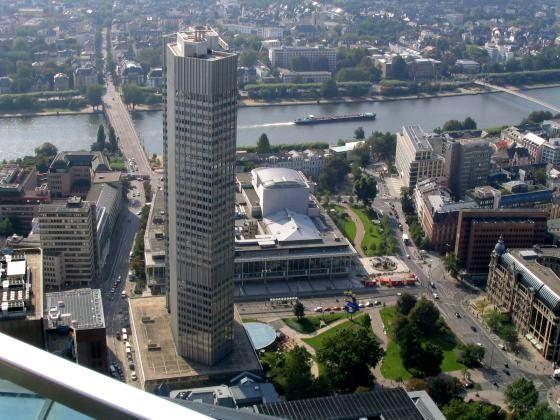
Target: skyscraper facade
(199, 136)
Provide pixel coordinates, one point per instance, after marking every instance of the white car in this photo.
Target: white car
(318, 309)
(369, 304)
(436, 296)
(133, 376)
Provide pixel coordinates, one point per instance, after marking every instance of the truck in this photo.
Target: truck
(556, 374)
(405, 239)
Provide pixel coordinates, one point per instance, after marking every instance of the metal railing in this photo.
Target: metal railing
(82, 389)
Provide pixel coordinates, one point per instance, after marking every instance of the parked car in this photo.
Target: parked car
(133, 376)
(473, 328)
(318, 309)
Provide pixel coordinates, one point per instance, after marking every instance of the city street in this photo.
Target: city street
(454, 298)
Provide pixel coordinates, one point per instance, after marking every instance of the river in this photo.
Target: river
(20, 136)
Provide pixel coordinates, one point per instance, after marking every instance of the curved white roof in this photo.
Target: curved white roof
(277, 177)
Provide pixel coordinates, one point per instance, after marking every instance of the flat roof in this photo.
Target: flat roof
(84, 306)
(155, 229)
(418, 137)
(166, 364)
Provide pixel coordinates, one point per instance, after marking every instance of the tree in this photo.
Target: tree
(48, 150)
(113, 143)
(365, 321)
(361, 155)
(93, 96)
(452, 264)
(300, 64)
(452, 125)
(299, 310)
(297, 371)
(405, 303)
(521, 396)
(263, 144)
(248, 58)
(469, 124)
(424, 316)
(399, 69)
(359, 133)
(356, 170)
(541, 412)
(471, 355)
(457, 409)
(333, 174)
(382, 145)
(132, 95)
(443, 389)
(366, 189)
(329, 89)
(348, 357)
(429, 359)
(6, 227)
(101, 137)
(539, 176)
(406, 200)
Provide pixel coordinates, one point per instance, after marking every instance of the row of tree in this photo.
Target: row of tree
(101, 143)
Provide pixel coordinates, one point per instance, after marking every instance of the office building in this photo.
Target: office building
(312, 76)
(68, 237)
(281, 234)
(424, 68)
(512, 195)
(438, 213)
(415, 157)
(524, 283)
(106, 193)
(551, 152)
(72, 173)
(75, 327)
(319, 58)
(535, 145)
(154, 245)
(21, 296)
(467, 164)
(20, 196)
(479, 229)
(199, 137)
(467, 66)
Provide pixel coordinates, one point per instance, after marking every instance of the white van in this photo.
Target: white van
(125, 337)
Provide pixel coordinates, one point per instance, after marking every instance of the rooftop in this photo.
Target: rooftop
(388, 403)
(151, 325)
(531, 269)
(277, 177)
(417, 137)
(155, 230)
(21, 285)
(80, 309)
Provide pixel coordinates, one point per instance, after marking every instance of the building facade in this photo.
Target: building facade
(199, 132)
(68, 235)
(282, 56)
(479, 229)
(524, 283)
(415, 157)
(85, 77)
(467, 164)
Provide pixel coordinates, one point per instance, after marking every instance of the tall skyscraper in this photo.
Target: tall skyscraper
(199, 135)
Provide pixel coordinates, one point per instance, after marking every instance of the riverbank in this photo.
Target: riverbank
(51, 113)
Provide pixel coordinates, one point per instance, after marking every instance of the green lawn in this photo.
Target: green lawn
(344, 222)
(317, 341)
(392, 366)
(117, 163)
(375, 241)
(310, 324)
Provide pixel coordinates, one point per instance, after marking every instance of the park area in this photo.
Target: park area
(377, 238)
(393, 366)
(310, 324)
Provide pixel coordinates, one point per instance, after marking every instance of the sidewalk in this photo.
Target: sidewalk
(360, 230)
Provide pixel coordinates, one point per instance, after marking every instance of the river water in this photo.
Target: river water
(20, 136)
